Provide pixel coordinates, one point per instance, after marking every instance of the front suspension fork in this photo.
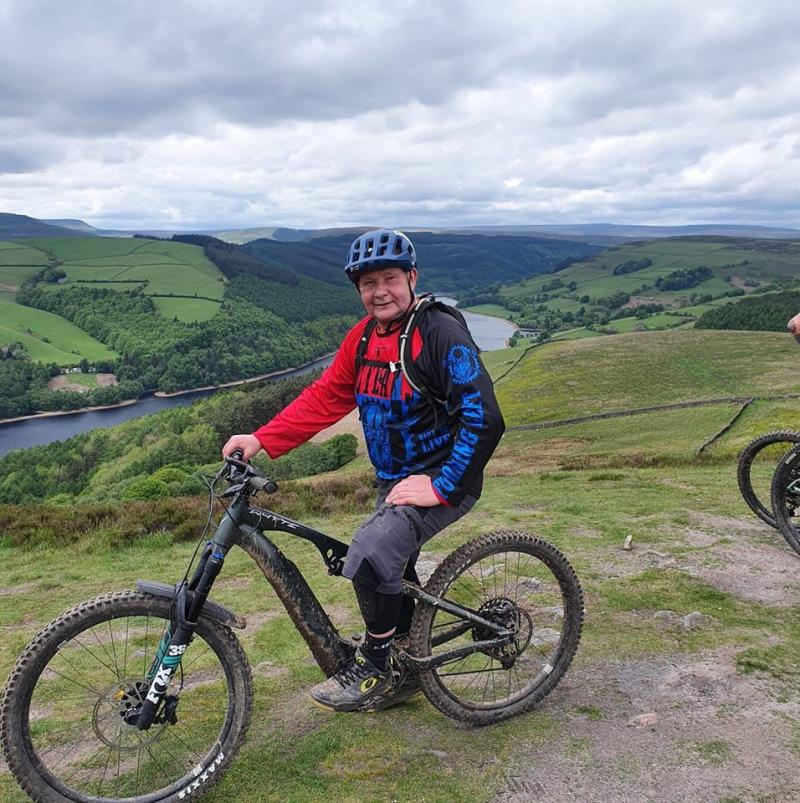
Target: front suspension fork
(189, 601)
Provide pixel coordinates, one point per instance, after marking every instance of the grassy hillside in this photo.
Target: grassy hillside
(448, 262)
(48, 337)
(580, 377)
(621, 279)
(161, 268)
(695, 626)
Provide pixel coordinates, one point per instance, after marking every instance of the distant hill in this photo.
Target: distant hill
(448, 262)
(17, 227)
(592, 233)
(72, 223)
(678, 275)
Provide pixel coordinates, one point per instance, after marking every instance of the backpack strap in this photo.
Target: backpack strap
(412, 375)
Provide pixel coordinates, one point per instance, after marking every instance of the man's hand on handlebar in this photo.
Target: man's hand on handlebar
(249, 445)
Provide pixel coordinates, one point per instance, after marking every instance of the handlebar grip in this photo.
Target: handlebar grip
(263, 484)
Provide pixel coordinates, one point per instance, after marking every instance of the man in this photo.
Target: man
(428, 456)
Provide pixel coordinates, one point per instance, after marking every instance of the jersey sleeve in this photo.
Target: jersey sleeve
(468, 392)
(320, 405)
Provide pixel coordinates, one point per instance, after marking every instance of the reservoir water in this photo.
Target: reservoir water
(489, 333)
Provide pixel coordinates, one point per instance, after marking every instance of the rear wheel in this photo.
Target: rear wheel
(63, 716)
(522, 583)
(756, 467)
(786, 497)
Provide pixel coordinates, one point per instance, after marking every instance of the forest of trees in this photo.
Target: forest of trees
(241, 341)
(270, 319)
(684, 278)
(631, 266)
(161, 454)
(448, 263)
(761, 313)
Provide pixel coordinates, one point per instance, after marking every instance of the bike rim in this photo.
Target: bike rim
(519, 590)
(75, 732)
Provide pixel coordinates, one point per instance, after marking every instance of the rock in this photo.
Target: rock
(664, 615)
(628, 545)
(438, 753)
(425, 568)
(647, 720)
(529, 584)
(694, 620)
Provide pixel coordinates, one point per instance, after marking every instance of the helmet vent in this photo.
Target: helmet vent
(381, 250)
(398, 246)
(384, 239)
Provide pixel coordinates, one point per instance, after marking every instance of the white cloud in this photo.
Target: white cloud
(253, 113)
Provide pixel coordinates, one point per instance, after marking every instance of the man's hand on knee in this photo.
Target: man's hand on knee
(414, 490)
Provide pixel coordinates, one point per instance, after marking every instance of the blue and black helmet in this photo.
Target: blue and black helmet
(382, 248)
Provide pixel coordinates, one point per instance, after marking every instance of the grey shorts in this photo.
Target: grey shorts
(393, 533)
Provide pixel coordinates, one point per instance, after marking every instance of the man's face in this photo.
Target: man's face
(385, 293)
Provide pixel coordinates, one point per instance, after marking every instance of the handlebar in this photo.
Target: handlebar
(241, 473)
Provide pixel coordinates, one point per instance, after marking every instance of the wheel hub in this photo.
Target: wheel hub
(122, 702)
(507, 614)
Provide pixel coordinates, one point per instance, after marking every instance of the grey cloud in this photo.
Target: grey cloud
(249, 113)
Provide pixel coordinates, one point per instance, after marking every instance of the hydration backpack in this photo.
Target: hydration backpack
(412, 373)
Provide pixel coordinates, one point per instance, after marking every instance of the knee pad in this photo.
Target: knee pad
(380, 611)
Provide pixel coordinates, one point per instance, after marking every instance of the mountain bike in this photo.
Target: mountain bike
(146, 695)
(786, 497)
(769, 446)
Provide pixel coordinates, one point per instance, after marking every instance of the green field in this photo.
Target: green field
(48, 337)
(18, 263)
(186, 309)
(165, 267)
(592, 375)
(661, 320)
(740, 261)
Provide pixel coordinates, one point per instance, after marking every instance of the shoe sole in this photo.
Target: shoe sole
(377, 703)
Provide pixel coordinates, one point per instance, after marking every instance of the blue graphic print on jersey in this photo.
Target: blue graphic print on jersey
(376, 434)
(462, 363)
(389, 424)
(464, 447)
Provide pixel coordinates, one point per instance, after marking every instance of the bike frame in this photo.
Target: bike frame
(244, 525)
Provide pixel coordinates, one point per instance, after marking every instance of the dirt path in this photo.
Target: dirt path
(682, 727)
(664, 731)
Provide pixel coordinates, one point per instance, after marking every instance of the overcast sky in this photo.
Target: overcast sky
(235, 114)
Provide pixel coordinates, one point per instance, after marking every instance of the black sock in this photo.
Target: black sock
(377, 649)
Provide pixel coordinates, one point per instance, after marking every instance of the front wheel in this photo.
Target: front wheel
(520, 582)
(63, 720)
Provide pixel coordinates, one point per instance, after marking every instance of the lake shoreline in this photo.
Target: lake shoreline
(160, 394)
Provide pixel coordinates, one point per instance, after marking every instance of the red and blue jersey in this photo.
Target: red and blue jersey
(404, 432)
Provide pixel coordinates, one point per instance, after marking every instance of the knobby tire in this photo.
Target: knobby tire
(533, 581)
(71, 670)
(743, 471)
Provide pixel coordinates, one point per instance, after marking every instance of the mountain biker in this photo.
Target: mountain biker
(428, 457)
